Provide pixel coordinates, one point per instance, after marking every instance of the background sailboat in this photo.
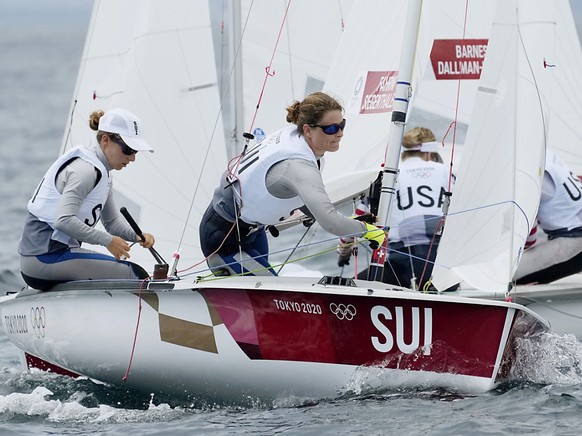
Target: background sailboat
(556, 123)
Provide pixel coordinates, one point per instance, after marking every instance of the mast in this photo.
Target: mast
(396, 129)
(237, 82)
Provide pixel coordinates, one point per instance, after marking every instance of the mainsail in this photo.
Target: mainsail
(160, 65)
(279, 51)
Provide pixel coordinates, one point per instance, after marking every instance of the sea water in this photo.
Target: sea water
(37, 75)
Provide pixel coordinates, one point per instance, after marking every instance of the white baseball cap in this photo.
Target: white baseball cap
(126, 125)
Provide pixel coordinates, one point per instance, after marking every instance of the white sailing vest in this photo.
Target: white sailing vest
(45, 201)
(420, 185)
(258, 206)
(564, 209)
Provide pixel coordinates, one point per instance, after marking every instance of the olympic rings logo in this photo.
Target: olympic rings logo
(342, 311)
(38, 320)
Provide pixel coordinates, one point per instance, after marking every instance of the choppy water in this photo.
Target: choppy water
(40, 403)
(37, 74)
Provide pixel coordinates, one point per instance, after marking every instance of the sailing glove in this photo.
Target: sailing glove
(375, 235)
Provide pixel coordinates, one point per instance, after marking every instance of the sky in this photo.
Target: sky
(29, 10)
(21, 12)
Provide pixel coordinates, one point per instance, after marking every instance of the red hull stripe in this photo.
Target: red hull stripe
(37, 362)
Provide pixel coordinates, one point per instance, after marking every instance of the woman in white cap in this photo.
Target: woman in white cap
(415, 215)
(73, 196)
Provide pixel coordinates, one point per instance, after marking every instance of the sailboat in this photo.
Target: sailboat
(239, 339)
(530, 95)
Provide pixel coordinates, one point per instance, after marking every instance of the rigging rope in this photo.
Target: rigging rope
(269, 72)
(453, 127)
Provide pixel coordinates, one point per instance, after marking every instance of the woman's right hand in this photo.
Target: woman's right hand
(119, 248)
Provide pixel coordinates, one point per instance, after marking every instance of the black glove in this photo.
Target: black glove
(367, 218)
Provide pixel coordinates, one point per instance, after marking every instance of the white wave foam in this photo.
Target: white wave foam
(36, 403)
(549, 358)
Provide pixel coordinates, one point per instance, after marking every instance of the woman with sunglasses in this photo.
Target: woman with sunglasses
(73, 196)
(269, 182)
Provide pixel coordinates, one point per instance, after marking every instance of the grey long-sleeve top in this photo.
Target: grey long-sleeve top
(291, 177)
(75, 182)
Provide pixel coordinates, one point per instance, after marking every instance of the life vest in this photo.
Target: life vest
(563, 210)
(44, 202)
(257, 205)
(417, 206)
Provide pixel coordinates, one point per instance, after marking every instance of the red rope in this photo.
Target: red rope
(214, 252)
(453, 126)
(136, 330)
(269, 68)
(454, 123)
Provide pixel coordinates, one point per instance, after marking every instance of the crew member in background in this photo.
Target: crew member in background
(415, 215)
(560, 217)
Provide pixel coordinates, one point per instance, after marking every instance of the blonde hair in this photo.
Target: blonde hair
(413, 137)
(94, 123)
(311, 110)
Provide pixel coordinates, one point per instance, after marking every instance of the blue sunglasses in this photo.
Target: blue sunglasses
(331, 129)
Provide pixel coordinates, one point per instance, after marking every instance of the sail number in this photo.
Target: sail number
(391, 328)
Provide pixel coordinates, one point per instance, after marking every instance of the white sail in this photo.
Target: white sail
(297, 40)
(566, 129)
(161, 65)
(365, 68)
(451, 49)
(497, 192)
(367, 59)
(158, 63)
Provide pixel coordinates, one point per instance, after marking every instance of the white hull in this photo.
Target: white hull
(262, 339)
